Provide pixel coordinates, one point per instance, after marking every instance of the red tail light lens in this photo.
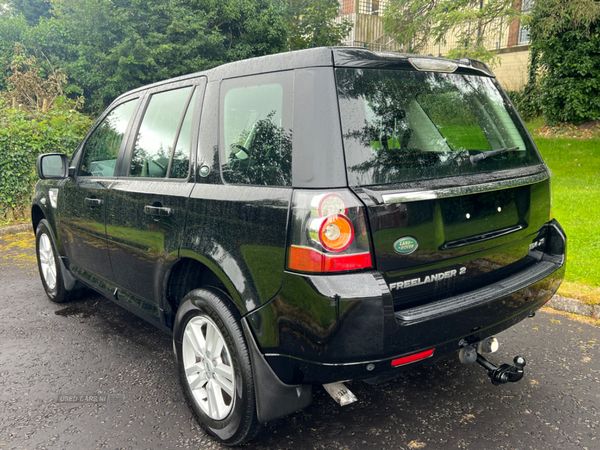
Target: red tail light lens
(328, 233)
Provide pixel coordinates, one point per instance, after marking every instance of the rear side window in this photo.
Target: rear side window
(255, 130)
(156, 153)
(102, 147)
(402, 126)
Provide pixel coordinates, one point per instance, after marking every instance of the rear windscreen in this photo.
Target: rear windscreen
(401, 126)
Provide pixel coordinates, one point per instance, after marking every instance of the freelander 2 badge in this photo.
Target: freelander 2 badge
(406, 245)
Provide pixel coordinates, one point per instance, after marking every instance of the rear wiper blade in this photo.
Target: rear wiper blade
(483, 155)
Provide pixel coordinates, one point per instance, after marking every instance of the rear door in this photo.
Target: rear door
(443, 220)
(147, 204)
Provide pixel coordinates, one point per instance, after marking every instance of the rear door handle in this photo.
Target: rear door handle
(157, 211)
(93, 202)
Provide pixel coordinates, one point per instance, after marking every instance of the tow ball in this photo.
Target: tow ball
(499, 375)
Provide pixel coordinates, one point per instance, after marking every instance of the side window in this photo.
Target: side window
(102, 147)
(255, 130)
(155, 140)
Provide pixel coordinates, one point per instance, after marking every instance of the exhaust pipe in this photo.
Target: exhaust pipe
(340, 393)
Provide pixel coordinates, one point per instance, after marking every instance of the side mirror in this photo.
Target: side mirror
(53, 166)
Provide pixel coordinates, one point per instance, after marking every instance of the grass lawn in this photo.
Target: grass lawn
(575, 164)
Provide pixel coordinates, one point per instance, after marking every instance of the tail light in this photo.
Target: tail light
(328, 233)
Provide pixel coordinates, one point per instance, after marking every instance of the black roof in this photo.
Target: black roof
(320, 57)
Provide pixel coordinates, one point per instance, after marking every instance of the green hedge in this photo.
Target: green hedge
(24, 136)
(565, 61)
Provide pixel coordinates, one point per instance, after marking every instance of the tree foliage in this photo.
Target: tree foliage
(32, 10)
(565, 60)
(416, 23)
(28, 130)
(312, 23)
(28, 88)
(107, 47)
(13, 29)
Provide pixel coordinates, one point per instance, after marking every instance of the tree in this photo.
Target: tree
(12, 29)
(312, 23)
(415, 23)
(108, 47)
(29, 89)
(565, 60)
(32, 10)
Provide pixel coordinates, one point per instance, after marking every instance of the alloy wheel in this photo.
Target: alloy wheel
(208, 367)
(47, 261)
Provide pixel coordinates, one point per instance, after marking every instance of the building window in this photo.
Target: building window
(375, 7)
(526, 7)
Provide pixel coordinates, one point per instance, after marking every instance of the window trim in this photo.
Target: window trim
(186, 111)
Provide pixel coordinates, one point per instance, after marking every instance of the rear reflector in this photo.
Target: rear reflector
(306, 259)
(547, 298)
(412, 358)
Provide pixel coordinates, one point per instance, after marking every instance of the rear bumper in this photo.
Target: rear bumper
(324, 329)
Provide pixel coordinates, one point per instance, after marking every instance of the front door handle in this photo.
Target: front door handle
(93, 202)
(157, 211)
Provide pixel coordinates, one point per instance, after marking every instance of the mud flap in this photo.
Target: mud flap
(274, 399)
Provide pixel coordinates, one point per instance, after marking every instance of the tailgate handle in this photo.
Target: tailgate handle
(93, 202)
(157, 211)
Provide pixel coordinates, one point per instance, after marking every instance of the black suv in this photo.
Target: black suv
(306, 218)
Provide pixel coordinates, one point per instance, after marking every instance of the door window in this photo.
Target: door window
(102, 147)
(155, 141)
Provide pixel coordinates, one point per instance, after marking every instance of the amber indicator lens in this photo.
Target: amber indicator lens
(335, 233)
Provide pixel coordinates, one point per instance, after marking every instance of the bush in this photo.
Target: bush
(571, 85)
(565, 38)
(527, 101)
(25, 135)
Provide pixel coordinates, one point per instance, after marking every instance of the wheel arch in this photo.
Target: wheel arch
(36, 216)
(193, 272)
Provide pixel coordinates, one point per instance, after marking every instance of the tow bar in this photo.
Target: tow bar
(499, 375)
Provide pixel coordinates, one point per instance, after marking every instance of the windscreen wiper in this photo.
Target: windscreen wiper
(487, 154)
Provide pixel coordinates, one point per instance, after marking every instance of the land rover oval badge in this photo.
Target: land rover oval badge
(406, 245)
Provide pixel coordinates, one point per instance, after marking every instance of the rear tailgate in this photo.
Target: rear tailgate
(457, 195)
(432, 249)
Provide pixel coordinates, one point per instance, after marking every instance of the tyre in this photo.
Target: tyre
(214, 366)
(48, 264)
